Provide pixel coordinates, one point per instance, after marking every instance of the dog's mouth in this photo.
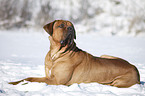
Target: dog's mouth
(67, 41)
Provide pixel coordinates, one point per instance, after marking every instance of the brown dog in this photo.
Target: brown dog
(66, 64)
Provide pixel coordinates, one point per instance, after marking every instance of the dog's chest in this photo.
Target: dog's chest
(50, 69)
(50, 72)
(54, 59)
(52, 66)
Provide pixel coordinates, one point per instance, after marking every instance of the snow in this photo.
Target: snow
(113, 27)
(22, 55)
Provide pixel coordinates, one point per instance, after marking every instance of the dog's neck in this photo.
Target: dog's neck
(56, 49)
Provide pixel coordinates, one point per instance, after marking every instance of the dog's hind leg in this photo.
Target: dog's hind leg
(124, 81)
(121, 83)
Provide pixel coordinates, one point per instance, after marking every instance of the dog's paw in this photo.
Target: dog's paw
(14, 83)
(23, 82)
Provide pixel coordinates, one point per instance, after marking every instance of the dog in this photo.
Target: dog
(66, 64)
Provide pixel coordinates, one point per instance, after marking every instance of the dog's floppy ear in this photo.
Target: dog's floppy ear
(49, 28)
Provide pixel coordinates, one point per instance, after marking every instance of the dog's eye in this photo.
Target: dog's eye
(61, 26)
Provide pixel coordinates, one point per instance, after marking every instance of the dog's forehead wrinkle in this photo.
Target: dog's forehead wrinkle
(69, 23)
(59, 22)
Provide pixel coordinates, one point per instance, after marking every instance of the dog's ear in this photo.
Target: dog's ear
(49, 28)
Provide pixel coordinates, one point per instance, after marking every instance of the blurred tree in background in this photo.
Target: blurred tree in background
(103, 16)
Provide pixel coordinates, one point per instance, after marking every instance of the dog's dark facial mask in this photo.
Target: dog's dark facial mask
(70, 36)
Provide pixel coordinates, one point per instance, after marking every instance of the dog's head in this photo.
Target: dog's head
(61, 31)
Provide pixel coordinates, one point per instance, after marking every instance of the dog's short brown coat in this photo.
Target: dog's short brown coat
(67, 64)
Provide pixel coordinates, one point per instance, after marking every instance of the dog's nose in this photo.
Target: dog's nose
(70, 28)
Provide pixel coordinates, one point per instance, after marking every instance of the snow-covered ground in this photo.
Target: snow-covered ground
(22, 55)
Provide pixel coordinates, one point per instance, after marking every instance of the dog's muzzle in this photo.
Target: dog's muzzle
(69, 38)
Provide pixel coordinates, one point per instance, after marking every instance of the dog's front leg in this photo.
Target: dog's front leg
(35, 79)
